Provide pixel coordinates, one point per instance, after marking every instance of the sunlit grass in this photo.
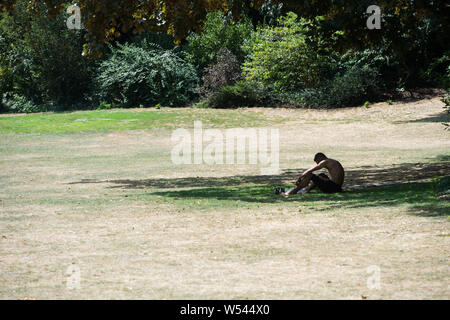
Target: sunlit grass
(132, 119)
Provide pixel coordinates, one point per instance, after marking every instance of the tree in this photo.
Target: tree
(287, 57)
(407, 25)
(416, 32)
(217, 34)
(40, 59)
(106, 20)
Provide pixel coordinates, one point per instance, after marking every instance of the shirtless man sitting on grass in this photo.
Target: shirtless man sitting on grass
(308, 180)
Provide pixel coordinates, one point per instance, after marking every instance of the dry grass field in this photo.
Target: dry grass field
(94, 196)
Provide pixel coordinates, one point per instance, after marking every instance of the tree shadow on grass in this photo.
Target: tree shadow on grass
(440, 117)
(361, 177)
(420, 197)
(442, 158)
(364, 187)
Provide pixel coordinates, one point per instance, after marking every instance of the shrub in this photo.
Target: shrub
(446, 100)
(376, 60)
(242, 94)
(104, 106)
(146, 74)
(286, 56)
(5, 84)
(352, 87)
(226, 71)
(19, 104)
(438, 72)
(443, 187)
(217, 33)
(305, 71)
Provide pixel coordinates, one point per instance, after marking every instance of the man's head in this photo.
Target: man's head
(319, 157)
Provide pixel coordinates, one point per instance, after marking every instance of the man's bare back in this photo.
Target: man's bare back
(335, 169)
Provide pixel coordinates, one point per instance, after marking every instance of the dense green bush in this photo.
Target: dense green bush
(425, 53)
(147, 75)
(350, 88)
(360, 76)
(5, 83)
(241, 94)
(218, 32)
(443, 187)
(446, 100)
(306, 72)
(12, 102)
(286, 56)
(438, 72)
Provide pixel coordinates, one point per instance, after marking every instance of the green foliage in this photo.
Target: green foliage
(6, 75)
(163, 40)
(41, 58)
(446, 100)
(218, 32)
(287, 56)
(242, 94)
(375, 59)
(305, 71)
(289, 60)
(5, 83)
(145, 74)
(104, 106)
(438, 72)
(413, 32)
(350, 88)
(443, 186)
(19, 104)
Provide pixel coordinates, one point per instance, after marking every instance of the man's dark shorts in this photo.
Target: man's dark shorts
(325, 184)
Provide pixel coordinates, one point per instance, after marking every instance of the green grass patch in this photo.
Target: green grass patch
(117, 120)
(81, 121)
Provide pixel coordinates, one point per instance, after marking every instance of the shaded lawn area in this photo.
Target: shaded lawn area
(411, 184)
(361, 177)
(419, 197)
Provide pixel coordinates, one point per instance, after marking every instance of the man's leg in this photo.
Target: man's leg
(312, 185)
(301, 184)
(325, 184)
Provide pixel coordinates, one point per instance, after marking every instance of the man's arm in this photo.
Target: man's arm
(321, 165)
